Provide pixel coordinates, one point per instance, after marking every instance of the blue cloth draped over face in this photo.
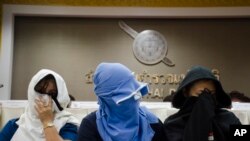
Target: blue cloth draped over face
(120, 117)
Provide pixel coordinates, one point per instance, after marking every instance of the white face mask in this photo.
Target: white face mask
(45, 99)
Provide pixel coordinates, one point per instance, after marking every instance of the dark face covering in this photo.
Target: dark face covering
(200, 123)
(200, 119)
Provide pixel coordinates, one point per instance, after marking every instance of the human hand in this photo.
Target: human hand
(44, 110)
(203, 91)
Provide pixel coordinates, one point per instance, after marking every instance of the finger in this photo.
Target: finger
(37, 108)
(40, 97)
(38, 103)
(37, 100)
(43, 100)
(50, 101)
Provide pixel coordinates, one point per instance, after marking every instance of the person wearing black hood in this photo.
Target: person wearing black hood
(201, 99)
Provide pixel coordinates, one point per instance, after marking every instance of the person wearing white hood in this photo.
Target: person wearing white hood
(44, 118)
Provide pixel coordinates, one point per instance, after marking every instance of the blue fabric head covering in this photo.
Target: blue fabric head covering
(119, 116)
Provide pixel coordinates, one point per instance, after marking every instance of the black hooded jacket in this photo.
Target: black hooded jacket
(200, 118)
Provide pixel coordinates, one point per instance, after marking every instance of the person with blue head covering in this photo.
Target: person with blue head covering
(120, 116)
